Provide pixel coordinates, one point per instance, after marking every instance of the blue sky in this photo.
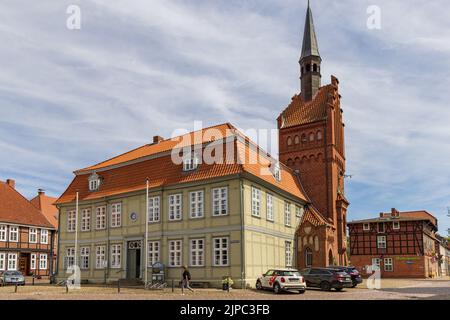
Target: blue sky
(72, 98)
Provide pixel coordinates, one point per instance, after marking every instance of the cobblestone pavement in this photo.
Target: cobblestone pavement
(391, 289)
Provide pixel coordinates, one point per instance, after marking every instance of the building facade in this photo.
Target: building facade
(311, 142)
(401, 244)
(26, 236)
(221, 219)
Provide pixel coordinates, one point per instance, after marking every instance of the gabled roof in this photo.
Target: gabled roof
(421, 215)
(300, 112)
(16, 209)
(46, 205)
(314, 217)
(129, 172)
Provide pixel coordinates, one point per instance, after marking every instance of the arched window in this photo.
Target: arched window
(296, 140)
(289, 141)
(319, 135)
(308, 67)
(311, 136)
(315, 67)
(308, 257)
(290, 162)
(304, 140)
(330, 258)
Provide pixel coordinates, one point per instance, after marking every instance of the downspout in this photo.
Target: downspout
(108, 242)
(58, 254)
(243, 275)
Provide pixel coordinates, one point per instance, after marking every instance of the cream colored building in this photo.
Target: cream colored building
(227, 218)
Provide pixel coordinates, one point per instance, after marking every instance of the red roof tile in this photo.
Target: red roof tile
(129, 173)
(15, 209)
(46, 205)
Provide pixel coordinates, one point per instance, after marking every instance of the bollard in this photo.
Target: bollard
(173, 284)
(67, 288)
(118, 286)
(15, 289)
(33, 281)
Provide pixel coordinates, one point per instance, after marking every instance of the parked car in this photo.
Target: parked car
(326, 278)
(354, 274)
(12, 277)
(280, 280)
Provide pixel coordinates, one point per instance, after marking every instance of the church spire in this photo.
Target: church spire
(310, 46)
(310, 60)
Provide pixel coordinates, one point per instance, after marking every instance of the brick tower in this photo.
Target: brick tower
(311, 142)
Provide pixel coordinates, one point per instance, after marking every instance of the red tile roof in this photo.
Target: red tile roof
(15, 209)
(300, 112)
(128, 172)
(46, 205)
(403, 216)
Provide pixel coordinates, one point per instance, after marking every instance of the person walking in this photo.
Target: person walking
(186, 279)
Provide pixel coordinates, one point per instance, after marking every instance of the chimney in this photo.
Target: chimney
(381, 215)
(157, 139)
(41, 192)
(11, 183)
(395, 213)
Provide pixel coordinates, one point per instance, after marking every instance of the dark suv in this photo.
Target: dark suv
(354, 274)
(326, 278)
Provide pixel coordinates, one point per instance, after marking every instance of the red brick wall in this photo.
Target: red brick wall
(403, 268)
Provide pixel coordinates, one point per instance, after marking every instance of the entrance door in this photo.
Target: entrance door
(24, 263)
(133, 260)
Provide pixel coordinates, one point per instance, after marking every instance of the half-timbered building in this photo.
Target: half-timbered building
(26, 235)
(401, 244)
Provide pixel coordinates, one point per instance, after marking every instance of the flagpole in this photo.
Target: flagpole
(76, 231)
(146, 236)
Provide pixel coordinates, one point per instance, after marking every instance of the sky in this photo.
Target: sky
(70, 98)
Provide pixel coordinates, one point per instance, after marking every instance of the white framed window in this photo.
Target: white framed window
(69, 259)
(32, 235)
(12, 261)
(71, 220)
(196, 204)
(44, 236)
(299, 211)
(277, 171)
(366, 226)
(197, 254)
(154, 209)
(86, 220)
(256, 202)
(220, 254)
(100, 218)
(175, 207)
(388, 265)
(287, 214)
(381, 227)
(190, 162)
(175, 251)
(288, 253)
(308, 257)
(84, 257)
(116, 215)
(116, 252)
(3, 232)
(33, 260)
(153, 252)
(269, 207)
(43, 261)
(94, 182)
(220, 201)
(13, 234)
(376, 262)
(2, 261)
(381, 242)
(396, 225)
(100, 257)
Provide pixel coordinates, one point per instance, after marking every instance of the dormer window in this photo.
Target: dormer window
(190, 162)
(276, 171)
(94, 182)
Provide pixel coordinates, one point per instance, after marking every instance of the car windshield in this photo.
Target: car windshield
(13, 273)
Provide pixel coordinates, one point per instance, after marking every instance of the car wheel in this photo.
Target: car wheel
(258, 285)
(325, 286)
(276, 288)
(301, 291)
(354, 285)
(338, 289)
